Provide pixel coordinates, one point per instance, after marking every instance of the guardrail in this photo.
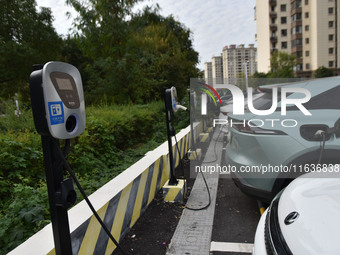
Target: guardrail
(119, 203)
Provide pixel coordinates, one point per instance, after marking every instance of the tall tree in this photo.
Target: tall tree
(27, 37)
(282, 65)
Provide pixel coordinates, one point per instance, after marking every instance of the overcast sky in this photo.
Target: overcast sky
(214, 23)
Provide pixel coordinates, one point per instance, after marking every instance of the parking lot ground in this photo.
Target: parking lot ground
(236, 217)
(235, 220)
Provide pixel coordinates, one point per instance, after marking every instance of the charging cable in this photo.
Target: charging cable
(69, 169)
(215, 153)
(322, 134)
(204, 179)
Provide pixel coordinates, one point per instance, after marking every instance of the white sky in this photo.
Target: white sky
(214, 23)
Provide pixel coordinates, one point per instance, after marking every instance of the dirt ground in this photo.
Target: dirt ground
(152, 233)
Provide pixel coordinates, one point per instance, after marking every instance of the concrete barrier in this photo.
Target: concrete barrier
(119, 203)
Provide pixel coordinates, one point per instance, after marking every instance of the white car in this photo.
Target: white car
(303, 219)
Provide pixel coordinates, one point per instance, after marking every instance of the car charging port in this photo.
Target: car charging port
(71, 123)
(315, 133)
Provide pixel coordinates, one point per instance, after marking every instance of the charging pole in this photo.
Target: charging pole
(54, 179)
(170, 132)
(58, 108)
(192, 119)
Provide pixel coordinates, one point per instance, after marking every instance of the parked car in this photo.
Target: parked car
(275, 146)
(227, 108)
(303, 218)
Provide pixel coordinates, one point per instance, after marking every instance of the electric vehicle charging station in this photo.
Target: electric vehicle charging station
(171, 106)
(58, 108)
(173, 184)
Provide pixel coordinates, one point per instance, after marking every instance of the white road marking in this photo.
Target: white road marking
(232, 247)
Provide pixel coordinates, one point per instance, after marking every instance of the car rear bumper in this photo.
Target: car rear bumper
(248, 189)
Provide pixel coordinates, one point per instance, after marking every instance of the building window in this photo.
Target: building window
(307, 40)
(330, 37)
(296, 16)
(283, 45)
(330, 10)
(296, 30)
(284, 32)
(306, 2)
(306, 15)
(307, 53)
(297, 42)
(307, 28)
(330, 63)
(307, 66)
(283, 7)
(330, 50)
(283, 20)
(299, 67)
(330, 23)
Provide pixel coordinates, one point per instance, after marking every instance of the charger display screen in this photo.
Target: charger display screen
(66, 89)
(64, 84)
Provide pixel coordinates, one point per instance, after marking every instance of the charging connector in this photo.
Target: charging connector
(319, 134)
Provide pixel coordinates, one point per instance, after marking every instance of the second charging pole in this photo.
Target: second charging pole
(169, 108)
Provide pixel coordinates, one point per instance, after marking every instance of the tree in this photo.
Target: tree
(323, 72)
(27, 37)
(282, 65)
(132, 60)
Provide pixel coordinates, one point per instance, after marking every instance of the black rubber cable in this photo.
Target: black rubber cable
(205, 181)
(69, 169)
(215, 153)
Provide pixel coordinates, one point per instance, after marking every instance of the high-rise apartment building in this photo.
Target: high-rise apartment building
(307, 28)
(217, 70)
(208, 72)
(238, 60)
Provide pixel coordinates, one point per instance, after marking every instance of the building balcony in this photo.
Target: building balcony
(296, 23)
(273, 27)
(295, 10)
(273, 39)
(296, 49)
(299, 60)
(272, 3)
(296, 36)
(273, 15)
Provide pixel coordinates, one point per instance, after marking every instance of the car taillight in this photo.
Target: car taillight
(250, 128)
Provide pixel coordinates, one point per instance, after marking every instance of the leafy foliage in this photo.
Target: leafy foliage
(282, 65)
(132, 61)
(27, 37)
(323, 72)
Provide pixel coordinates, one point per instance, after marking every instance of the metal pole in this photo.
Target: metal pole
(246, 67)
(170, 132)
(54, 177)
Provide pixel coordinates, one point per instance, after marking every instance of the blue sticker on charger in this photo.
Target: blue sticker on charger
(56, 111)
